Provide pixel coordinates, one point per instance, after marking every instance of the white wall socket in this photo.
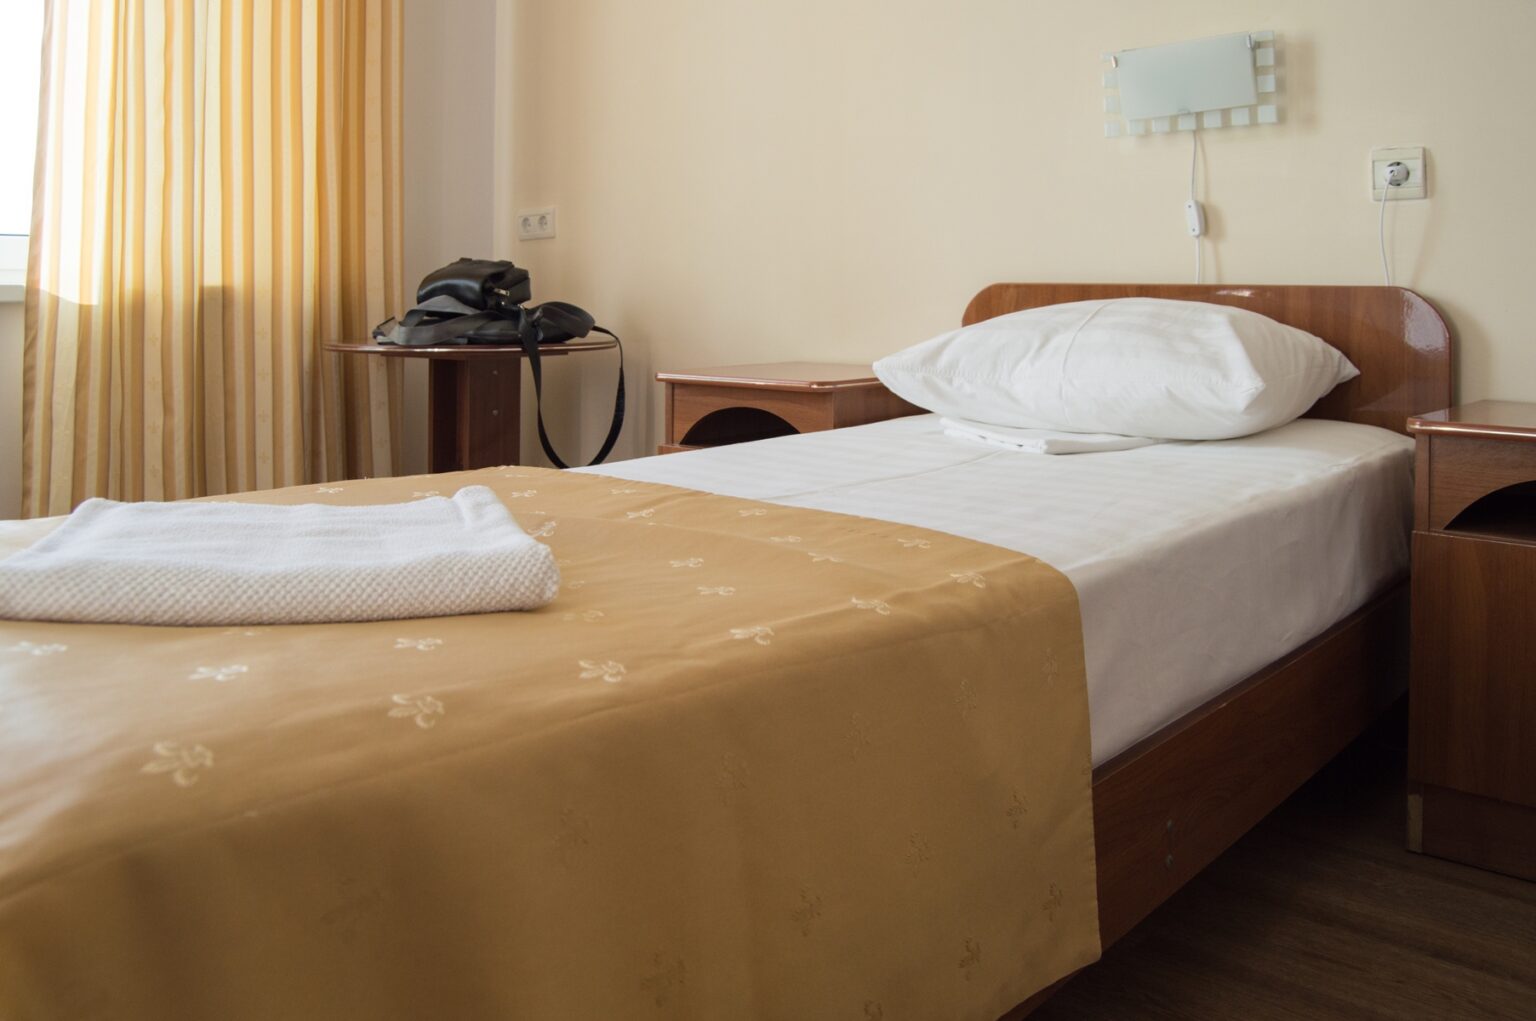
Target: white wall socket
(536, 224)
(1412, 157)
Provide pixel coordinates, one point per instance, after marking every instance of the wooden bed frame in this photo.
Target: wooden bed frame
(1166, 807)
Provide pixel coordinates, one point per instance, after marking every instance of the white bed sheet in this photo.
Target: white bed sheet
(1195, 563)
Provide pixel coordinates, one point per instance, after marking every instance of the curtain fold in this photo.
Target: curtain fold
(218, 195)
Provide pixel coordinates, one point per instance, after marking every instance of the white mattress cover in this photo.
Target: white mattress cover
(1195, 564)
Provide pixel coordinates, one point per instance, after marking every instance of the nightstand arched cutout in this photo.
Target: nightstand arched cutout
(1509, 512)
(736, 425)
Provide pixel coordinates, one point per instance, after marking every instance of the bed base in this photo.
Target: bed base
(1166, 807)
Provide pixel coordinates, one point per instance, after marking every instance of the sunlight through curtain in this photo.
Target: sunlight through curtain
(217, 195)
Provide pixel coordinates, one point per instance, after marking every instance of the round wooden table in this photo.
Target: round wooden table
(474, 397)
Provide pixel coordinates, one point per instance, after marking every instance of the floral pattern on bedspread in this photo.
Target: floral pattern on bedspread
(752, 762)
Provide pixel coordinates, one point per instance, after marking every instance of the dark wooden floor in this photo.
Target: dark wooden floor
(1319, 913)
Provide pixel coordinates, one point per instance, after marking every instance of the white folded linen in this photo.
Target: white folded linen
(245, 563)
(1040, 441)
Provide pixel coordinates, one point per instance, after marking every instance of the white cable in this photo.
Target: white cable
(1381, 233)
(1194, 148)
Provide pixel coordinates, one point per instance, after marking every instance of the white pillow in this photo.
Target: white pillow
(1172, 370)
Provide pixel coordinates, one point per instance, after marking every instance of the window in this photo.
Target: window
(21, 38)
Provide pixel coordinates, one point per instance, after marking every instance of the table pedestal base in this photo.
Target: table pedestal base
(474, 413)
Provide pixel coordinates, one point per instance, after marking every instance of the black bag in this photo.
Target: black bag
(480, 301)
(479, 283)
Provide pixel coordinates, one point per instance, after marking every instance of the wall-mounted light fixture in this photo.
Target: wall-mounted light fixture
(1224, 81)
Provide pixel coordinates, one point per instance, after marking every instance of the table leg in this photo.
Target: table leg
(473, 413)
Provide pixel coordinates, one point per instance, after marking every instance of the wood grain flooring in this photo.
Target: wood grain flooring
(1319, 913)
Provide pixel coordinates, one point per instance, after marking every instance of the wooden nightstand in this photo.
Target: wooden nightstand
(736, 403)
(1472, 716)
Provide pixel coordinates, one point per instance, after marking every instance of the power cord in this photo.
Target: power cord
(1395, 177)
(1194, 149)
(1381, 236)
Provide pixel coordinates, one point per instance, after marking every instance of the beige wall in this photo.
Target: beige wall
(745, 181)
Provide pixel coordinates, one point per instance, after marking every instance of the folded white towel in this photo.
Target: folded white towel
(248, 563)
(1040, 441)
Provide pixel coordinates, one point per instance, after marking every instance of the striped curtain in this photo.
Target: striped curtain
(217, 196)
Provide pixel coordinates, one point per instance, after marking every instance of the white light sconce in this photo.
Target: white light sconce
(1224, 81)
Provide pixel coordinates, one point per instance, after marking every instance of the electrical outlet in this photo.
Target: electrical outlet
(1412, 157)
(536, 224)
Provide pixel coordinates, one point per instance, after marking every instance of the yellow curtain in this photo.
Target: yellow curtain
(217, 196)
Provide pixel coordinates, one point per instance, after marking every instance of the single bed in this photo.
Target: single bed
(371, 791)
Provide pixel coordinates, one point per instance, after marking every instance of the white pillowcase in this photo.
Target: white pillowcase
(1173, 370)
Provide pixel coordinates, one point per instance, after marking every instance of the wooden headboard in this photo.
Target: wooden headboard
(1395, 338)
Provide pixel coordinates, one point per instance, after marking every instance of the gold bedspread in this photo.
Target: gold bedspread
(754, 762)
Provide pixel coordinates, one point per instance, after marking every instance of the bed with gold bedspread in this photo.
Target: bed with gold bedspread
(754, 761)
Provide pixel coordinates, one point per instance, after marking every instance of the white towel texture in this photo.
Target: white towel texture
(245, 563)
(1040, 441)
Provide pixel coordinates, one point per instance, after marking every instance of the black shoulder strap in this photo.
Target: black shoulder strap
(530, 344)
(439, 320)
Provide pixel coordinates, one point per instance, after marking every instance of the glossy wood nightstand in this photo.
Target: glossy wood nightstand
(1472, 717)
(737, 403)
